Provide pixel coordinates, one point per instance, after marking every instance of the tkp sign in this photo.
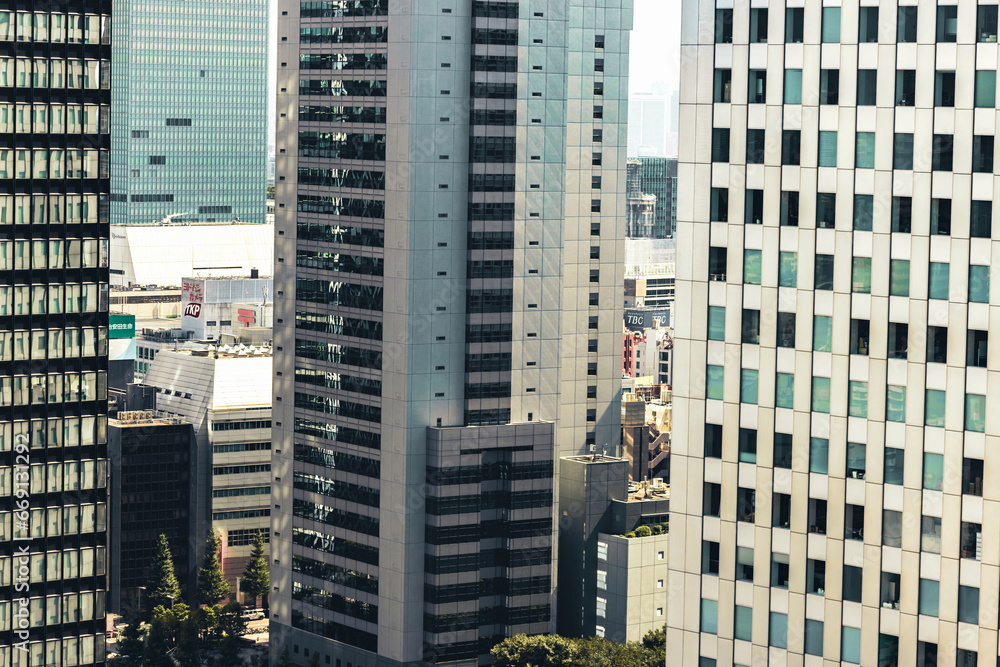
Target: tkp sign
(192, 310)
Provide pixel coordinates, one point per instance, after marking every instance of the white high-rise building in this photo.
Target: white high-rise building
(833, 457)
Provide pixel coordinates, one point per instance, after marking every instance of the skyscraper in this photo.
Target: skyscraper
(55, 81)
(449, 242)
(189, 122)
(833, 312)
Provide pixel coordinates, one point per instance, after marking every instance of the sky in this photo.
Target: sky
(654, 54)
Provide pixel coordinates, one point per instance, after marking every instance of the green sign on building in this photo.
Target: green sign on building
(121, 326)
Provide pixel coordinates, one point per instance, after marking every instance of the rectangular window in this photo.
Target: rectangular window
(899, 277)
(783, 451)
(720, 204)
(750, 326)
(986, 88)
(937, 345)
(982, 154)
(971, 541)
(930, 534)
(716, 323)
(937, 282)
(831, 25)
(788, 269)
(819, 455)
(786, 329)
(826, 210)
(864, 154)
(902, 214)
(822, 333)
(710, 616)
(941, 217)
(824, 272)
(829, 88)
(981, 219)
(713, 382)
(857, 458)
(942, 152)
(863, 210)
(895, 403)
(747, 445)
(751, 267)
(748, 389)
(979, 284)
(944, 89)
(933, 469)
(757, 86)
(791, 141)
(861, 275)
(821, 394)
(793, 25)
(906, 24)
(976, 348)
(902, 151)
(753, 210)
(858, 406)
(986, 23)
(789, 213)
(975, 413)
(723, 85)
(784, 390)
(892, 528)
(777, 635)
(867, 25)
(755, 146)
(906, 86)
(867, 87)
(947, 23)
(968, 602)
(934, 407)
(720, 144)
(852, 584)
(713, 441)
(758, 25)
(743, 623)
(827, 149)
(723, 26)
(793, 86)
(893, 471)
(929, 593)
(709, 557)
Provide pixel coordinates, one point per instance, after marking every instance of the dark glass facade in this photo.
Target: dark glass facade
(55, 85)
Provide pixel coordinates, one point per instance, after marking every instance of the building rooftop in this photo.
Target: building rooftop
(594, 458)
(144, 418)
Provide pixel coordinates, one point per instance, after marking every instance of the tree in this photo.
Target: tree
(256, 576)
(285, 660)
(131, 647)
(314, 659)
(604, 652)
(212, 586)
(656, 640)
(536, 651)
(162, 588)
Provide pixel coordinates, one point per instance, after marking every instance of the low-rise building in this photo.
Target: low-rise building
(225, 393)
(608, 524)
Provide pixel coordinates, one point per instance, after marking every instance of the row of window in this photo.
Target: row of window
(942, 155)
(54, 118)
(328, 458)
(358, 580)
(53, 209)
(331, 380)
(895, 401)
(337, 262)
(52, 344)
(66, 564)
(335, 432)
(358, 208)
(52, 388)
(342, 114)
(863, 212)
(56, 28)
(331, 488)
(504, 558)
(337, 546)
(334, 602)
(54, 164)
(341, 61)
(53, 299)
(338, 325)
(53, 521)
(342, 234)
(946, 24)
(342, 178)
(342, 145)
(336, 517)
(54, 73)
(938, 284)
(55, 432)
(343, 87)
(342, 8)
(333, 293)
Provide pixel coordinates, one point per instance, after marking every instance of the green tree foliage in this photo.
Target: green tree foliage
(643, 531)
(656, 640)
(534, 651)
(285, 660)
(162, 584)
(256, 576)
(212, 585)
(131, 645)
(556, 651)
(314, 659)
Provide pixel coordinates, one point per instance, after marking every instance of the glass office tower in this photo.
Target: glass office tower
(54, 118)
(450, 235)
(189, 121)
(834, 461)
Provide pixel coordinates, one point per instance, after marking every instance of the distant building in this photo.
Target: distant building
(659, 177)
(647, 124)
(646, 441)
(189, 111)
(649, 273)
(202, 251)
(641, 218)
(609, 587)
(226, 395)
(152, 493)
